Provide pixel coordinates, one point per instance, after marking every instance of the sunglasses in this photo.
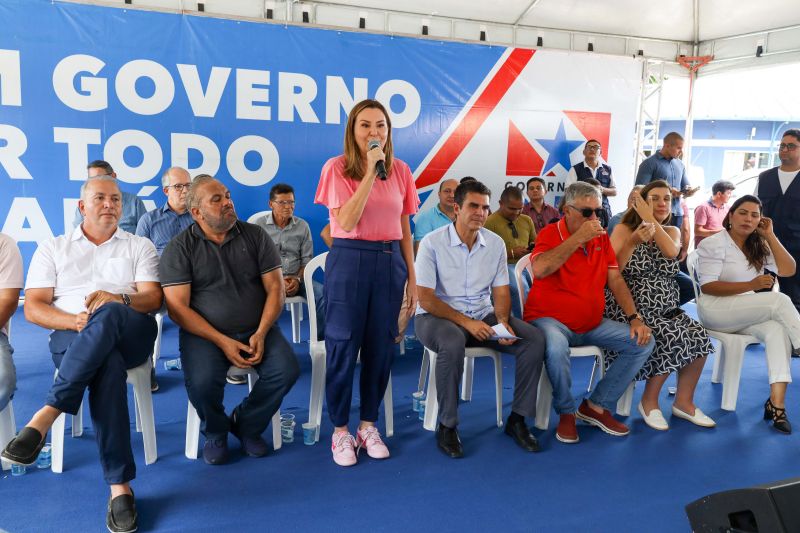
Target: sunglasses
(514, 232)
(586, 212)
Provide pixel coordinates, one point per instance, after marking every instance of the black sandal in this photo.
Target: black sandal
(24, 448)
(778, 416)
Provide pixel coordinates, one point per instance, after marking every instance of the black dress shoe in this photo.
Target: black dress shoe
(24, 448)
(121, 516)
(448, 441)
(522, 435)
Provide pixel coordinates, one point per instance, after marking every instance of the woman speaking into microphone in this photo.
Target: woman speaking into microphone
(369, 195)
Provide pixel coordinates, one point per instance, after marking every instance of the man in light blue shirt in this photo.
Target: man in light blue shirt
(132, 206)
(437, 216)
(162, 224)
(461, 269)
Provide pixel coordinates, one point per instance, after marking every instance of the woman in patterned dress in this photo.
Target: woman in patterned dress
(646, 251)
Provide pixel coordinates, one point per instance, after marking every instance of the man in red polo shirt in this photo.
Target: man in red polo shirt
(572, 263)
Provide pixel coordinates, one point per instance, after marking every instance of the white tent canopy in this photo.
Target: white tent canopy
(730, 30)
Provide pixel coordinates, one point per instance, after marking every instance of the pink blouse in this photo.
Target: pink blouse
(388, 200)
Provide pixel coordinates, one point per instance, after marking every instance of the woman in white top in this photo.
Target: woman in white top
(731, 270)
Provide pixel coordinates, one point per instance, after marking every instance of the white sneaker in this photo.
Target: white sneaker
(655, 419)
(370, 438)
(343, 446)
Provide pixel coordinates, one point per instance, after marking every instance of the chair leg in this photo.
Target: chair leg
(732, 365)
(277, 439)
(498, 387)
(625, 401)
(719, 363)
(388, 408)
(157, 344)
(145, 418)
(297, 316)
(8, 428)
(57, 444)
(591, 376)
(402, 346)
(544, 401)
(317, 392)
(466, 379)
(431, 401)
(77, 422)
(192, 432)
(423, 371)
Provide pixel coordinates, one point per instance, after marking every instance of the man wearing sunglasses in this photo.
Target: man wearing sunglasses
(573, 262)
(518, 234)
(593, 167)
(779, 190)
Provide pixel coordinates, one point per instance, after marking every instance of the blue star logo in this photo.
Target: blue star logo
(558, 150)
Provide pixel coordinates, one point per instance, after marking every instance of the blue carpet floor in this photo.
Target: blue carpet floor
(637, 483)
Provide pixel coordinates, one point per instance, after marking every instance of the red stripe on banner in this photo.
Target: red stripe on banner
(441, 162)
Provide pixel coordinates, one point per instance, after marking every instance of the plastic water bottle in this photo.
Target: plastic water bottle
(44, 459)
(18, 470)
(172, 364)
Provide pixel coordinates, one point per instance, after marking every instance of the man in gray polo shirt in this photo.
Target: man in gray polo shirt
(292, 236)
(223, 285)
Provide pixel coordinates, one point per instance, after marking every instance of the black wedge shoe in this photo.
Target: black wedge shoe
(778, 417)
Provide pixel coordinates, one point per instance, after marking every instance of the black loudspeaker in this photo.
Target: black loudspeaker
(769, 508)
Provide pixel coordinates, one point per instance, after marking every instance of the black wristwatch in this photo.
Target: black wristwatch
(634, 316)
(126, 299)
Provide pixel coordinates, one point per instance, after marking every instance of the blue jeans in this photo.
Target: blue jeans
(610, 335)
(8, 373)
(115, 338)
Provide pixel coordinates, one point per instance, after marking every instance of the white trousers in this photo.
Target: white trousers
(768, 316)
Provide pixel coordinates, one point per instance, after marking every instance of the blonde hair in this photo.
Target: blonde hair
(353, 160)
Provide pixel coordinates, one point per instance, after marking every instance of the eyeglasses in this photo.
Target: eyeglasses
(593, 147)
(586, 212)
(790, 147)
(180, 187)
(514, 232)
(284, 203)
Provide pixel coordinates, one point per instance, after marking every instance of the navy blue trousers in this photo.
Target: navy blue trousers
(115, 339)
(204, 369)
(364, 284)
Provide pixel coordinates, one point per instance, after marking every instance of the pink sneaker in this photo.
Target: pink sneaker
(343, 447)
(370, 438)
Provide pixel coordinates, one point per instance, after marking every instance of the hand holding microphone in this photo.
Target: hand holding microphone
(377, 156)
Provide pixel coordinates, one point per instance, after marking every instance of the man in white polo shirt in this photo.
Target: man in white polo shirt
(94, 287)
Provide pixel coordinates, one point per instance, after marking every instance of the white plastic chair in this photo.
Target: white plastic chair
(545, 391)
(293, 303)
(732, 346)
(431, 400)
(318, 364)
(139, 378)
(159, 317)
(193, 419)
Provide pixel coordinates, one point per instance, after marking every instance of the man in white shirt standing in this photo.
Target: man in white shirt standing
(94, 287)
(779, 191)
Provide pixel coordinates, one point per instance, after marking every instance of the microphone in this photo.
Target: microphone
(380, 167)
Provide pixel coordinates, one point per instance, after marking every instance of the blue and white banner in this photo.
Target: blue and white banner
(257, 103)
